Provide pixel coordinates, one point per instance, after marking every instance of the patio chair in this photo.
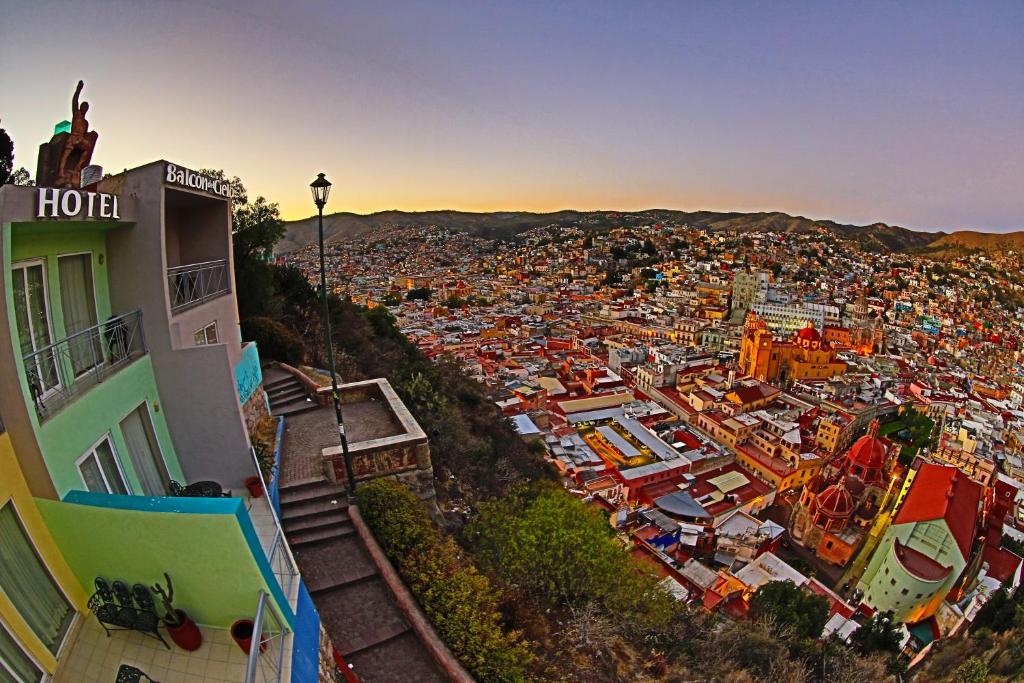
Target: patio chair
(199, 489)
(129, 674)
(119, 609)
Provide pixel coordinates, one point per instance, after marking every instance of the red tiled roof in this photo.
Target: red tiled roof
(1002, 564)
(918, 564)
(941, 492)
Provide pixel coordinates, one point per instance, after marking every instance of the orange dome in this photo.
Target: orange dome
(835, 502)
(809, 333)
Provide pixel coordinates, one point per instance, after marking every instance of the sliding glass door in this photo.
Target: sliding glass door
(15, 665)
(78, 304)
(28, 584)
(31, 311)
(144, 452)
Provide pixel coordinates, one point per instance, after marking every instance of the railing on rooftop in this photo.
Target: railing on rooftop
(197, 283)
(70, 366)
(267, 648)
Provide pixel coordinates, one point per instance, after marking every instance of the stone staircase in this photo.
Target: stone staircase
(288, 396)
(358, 609)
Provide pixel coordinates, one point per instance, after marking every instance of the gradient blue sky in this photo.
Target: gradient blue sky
(909, 113)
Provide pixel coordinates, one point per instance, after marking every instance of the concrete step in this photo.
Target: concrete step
(321, 534)
(311, 508)
(334, 582)
(286, 394)
(293, 408)
(305, 493)
(281, 382)
(333, 518)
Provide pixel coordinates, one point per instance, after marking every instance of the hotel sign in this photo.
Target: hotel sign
(52, 202)
(197, 181)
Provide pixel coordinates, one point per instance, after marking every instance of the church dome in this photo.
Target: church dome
(809, 333)
(866, 458)
(835, 502)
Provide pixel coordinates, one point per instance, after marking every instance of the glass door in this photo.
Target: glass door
(27, 583)
(144, 452)
(32, 313)
(78, 304)
(15, 664)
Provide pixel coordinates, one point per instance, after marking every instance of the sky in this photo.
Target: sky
(906, 113)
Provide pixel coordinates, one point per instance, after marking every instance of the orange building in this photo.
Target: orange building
(805, 356)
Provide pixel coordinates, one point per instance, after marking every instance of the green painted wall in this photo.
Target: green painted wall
(77, 426)
(883, 569)
(80, 424)
(216, 577)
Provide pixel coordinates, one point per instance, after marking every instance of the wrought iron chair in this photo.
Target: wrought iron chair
(199, 489)
(130, 674)
(119, 609)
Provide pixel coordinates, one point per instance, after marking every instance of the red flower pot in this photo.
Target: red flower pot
(187, 636)
(255, 486)
(241, 633)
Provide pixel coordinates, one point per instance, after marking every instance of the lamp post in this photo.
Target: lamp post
(321, 188)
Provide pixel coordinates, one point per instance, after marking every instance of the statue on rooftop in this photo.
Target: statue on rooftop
(62, 159)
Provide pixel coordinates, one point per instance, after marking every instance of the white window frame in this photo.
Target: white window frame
(204, 331)
(91, 452)
(22, 265)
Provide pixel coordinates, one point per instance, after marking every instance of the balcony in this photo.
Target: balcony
(197, 283)
(58, 373)
(228, 560)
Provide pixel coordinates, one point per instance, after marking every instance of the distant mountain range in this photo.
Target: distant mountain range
(877, 237)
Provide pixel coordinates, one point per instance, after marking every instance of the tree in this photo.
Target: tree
(561, 551)
(420, 293)
(973, 670)
(460, 602)
(880, 635)
(791, 606)
(274, 340)
(256, 228)
(999, 613)
(6, 156)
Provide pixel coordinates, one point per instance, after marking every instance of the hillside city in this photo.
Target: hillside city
(745, 407)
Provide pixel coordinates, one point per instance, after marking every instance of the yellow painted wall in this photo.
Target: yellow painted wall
(14, 490)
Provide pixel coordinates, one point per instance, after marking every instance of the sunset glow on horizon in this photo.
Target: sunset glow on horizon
(910, 115)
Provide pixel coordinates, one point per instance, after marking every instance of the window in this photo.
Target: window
(15, 665)
(26, 582)
(207, 335)
(100, 470)
(892, 582)
(78, 303)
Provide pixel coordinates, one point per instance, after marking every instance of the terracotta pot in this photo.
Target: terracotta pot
(241, 633)
(187, 636)
(255, 486)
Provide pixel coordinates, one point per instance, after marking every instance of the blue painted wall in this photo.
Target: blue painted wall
(306, 643)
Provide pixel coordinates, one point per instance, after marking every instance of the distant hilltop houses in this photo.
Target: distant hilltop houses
(747, 406)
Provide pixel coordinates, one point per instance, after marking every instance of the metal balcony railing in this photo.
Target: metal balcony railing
(197, 283)
(71, 366)
(267, 649)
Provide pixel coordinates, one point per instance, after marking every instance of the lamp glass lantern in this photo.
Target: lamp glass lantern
(321, 188)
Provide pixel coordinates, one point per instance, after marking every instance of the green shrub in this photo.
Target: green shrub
(274, 340)
(459, 601)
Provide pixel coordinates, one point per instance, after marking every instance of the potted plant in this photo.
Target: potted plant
(255, 486)
(241, 633)
(183, 631)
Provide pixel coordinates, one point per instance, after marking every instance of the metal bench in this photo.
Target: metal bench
(119, 609)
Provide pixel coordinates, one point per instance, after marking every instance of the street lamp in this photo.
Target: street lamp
(321, 188)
